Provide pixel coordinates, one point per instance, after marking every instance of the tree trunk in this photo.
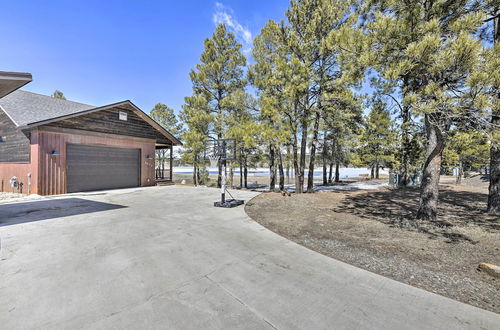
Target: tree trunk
(325, 177)
(195, 169)
(219, 175)
(494, 188)
(241, 168)
(405, 136)
(429, 192)
(280, 169)
(372, 174)
(296, 163)
(336, 160)
(405, 142)
(303, 144)
(377, 176)
(241, 175)
(330, 174)
(312, 159)
(245, 170)
(272, 172)
(288, 164)
(459, 173)
(231, 176)
(337, 172)
(324, 154)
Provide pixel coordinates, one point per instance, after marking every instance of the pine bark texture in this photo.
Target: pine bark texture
(272, 172)
(494, 188)
(310, 176)
(429, 188)
(281, 171)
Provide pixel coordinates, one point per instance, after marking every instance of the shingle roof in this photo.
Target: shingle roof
(26, 108)
(31, 109)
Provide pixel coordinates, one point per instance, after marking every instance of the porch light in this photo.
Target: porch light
(149, 157)
(54, 153)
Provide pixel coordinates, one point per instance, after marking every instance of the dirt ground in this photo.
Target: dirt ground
(375, 230)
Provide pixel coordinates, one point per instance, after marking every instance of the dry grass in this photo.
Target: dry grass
(376, 230)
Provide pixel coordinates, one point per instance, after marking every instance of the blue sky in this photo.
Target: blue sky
(100, 52)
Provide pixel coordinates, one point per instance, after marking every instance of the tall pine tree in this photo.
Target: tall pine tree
(220, 74)
(378, 140)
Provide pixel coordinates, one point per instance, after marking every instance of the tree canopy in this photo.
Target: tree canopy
(58, 95)
(432, 69)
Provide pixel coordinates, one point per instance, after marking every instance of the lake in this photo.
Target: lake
(345, 172)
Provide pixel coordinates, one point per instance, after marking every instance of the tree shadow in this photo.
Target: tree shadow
(16, 213)
(397, 207)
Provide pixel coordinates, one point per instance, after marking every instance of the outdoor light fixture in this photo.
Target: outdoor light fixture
(54, 153)
(149, 157)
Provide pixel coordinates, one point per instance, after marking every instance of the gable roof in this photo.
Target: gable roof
(29, 110)
(10, 81)
(25, 108)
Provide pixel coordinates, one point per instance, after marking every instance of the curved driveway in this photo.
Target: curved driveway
(164, 257)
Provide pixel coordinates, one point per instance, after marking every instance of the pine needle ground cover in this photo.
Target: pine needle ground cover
(375, 230)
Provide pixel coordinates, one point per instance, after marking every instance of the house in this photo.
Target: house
(54, 146)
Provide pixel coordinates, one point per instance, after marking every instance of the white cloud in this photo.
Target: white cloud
(225, 15)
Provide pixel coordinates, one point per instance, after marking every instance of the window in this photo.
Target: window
(3, 139)
(122, 115)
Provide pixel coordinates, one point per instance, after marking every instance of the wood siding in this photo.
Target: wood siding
(16, 147)
(26, 173)
(107, 121)
(52, 169)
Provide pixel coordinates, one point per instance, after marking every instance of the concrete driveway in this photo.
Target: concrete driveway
(164, 257)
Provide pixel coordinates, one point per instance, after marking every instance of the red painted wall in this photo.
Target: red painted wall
(21, 171)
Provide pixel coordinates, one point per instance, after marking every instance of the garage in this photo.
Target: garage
(98, 167)
(54, 146)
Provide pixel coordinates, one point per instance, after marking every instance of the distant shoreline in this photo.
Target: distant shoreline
(345, 172)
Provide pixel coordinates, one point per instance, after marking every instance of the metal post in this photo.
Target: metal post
(171, 162)
(220, 153)
(223, 185)
(223, 179)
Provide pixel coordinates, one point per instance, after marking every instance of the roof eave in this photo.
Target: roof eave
(141, 114)
(11, 81)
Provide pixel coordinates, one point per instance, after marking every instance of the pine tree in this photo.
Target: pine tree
(166, 117)
(466, 150)
(220, 73)
(300, 80)
(269, 54)
(311, 24)
(427, 49)
(341, 122)
(378, 140)
(58, 95)
(491, 77)
(242, 126)
(197, 117)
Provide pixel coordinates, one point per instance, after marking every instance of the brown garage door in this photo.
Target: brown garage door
(96, 168)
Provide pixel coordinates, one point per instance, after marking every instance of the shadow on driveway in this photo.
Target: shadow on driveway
(12, 214)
